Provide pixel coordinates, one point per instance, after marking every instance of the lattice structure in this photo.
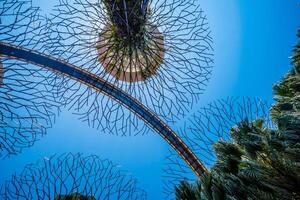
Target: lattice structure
(101, 86)
(28, 103)
(205, 127)
(178, 41)
(157, 51)
(66, 75)
(72, 175)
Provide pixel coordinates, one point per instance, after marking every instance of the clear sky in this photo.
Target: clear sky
(252, 42)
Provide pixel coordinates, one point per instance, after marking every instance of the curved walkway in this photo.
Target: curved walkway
(99, 84)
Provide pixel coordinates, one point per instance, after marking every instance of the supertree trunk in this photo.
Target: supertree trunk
(130, 47)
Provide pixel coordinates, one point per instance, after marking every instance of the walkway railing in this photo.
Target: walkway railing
(100, 85)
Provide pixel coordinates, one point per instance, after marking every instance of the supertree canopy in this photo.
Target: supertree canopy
(204, 128)
(159, 52)
(28, 104)
(39, 43)
(72, 176)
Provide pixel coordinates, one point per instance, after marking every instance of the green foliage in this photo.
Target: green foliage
(260, 163)
(188, 191)
(287, 94)
(128, 18)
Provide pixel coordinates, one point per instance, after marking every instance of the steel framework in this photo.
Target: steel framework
(72, 176)
(28, 98)
(25, 28)
(75, 28)
(110, 90)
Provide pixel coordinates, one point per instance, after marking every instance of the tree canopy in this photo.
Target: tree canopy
(259, 162)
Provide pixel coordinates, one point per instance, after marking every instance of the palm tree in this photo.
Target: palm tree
(259, 163)
(188, 191)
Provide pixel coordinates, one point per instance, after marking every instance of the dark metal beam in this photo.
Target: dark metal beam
(100, 85)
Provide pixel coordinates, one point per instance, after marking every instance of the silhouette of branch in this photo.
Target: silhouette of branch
(183, 65)
(72, 175)
(28, 102)
(179, 57)
(67, 87)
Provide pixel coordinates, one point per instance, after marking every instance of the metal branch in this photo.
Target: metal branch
(71, 37)
(28, 98)
(100, 85)
(72, 175)
(169, 43)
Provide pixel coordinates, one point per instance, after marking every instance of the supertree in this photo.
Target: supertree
(66, 76)
(28, 104)
(177, 43)
(101, 86)
(158, 52)
(204, 128)
(72, 176)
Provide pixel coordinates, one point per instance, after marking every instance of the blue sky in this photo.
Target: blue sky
(252, 44)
